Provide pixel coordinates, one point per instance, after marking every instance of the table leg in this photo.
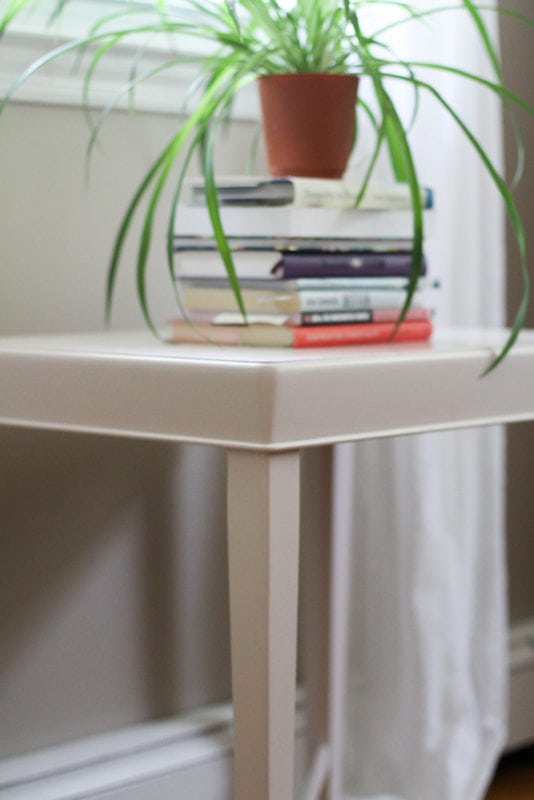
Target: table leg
(263, 534)
(316, 523)
(327, 522)
(340, 576)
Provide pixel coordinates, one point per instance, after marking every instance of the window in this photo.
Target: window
(60, 82)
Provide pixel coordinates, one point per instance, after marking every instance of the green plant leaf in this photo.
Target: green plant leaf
(124, 228)
(212, 204)
(513, 215)
(394, 130)
(12, 9)
(172, 219)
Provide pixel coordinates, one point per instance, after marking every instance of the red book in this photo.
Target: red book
(265, 335)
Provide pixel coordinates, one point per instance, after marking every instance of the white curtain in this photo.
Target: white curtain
(427, 681)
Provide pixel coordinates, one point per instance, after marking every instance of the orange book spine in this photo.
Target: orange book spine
(360, 333)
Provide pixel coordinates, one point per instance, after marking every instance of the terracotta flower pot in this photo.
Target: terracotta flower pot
(308, 122)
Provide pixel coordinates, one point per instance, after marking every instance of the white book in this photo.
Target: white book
(293, 221)
(309, 192)
(303, 284)
(263, 301)
(208, 263)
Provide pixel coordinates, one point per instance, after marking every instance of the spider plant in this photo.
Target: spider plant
(251, 38)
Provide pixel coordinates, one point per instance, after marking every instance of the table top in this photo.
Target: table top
(131, 384)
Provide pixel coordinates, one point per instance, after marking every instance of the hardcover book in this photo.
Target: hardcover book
(256, 301)
(309, 193)
(296, 336)
(310, 317)
(305, 244)
(296, 263)
(293, 221)
(300, 284)
(247, 263)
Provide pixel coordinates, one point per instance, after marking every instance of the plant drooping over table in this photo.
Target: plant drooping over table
(252, 38)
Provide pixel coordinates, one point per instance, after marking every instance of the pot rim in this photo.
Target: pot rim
(299, 75)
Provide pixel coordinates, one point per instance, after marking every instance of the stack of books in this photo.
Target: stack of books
(313, 270)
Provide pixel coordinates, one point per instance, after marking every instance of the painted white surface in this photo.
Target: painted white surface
(184, 757)
(238, 399)
(61, 81)
(113, 593)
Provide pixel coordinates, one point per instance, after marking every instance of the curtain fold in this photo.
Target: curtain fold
(427, 682)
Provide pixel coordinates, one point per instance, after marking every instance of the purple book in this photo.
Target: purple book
(341, 265)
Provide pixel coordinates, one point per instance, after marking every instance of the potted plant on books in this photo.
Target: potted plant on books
(320, 46)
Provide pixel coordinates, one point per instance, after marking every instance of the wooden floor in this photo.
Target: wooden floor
(514, 779)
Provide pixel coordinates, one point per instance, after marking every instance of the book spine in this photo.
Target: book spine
(350, 299)
(309, 318)
(345, 284)
(364, 315)
(362, 333)
(314, 245)
(292, 221)
(318, 192)
(341, 265)
(335, 317)
(266, 302)
(297, 284)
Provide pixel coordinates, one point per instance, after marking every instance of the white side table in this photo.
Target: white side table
(264, 407)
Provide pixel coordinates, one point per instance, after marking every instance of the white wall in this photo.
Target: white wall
(56, 234)
(516, 42)
(113, 588)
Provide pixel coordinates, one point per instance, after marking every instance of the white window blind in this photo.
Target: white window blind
(60, 82)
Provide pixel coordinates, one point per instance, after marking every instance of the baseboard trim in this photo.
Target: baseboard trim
(191, 756)
(521, 717)
(188, 757)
